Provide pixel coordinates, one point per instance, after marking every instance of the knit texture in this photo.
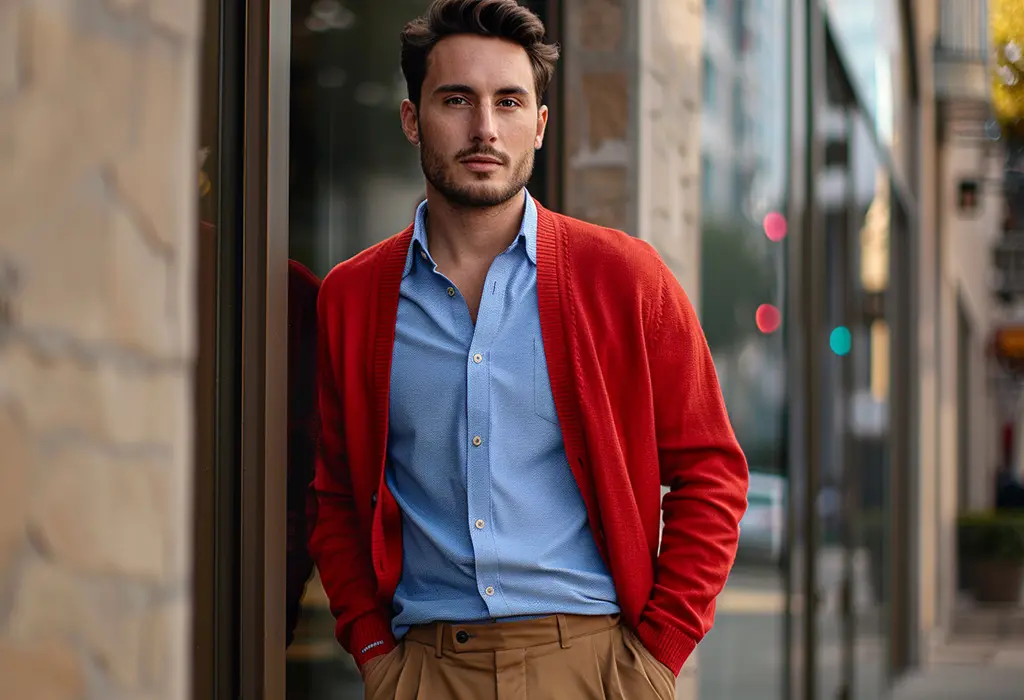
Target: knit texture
(639, 404)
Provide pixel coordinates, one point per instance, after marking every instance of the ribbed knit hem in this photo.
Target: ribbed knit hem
(370, 636)
(668, 645)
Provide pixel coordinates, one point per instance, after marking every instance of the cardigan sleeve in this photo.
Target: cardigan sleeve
(339, 545)
(701, 462)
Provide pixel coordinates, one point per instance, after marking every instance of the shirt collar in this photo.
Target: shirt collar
(418, 246)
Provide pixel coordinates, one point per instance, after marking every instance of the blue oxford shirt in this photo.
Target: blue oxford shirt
(494, 525)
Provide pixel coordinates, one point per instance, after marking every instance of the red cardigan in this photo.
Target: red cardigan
(639, 404)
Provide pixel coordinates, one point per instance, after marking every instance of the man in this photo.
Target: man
(503, 391)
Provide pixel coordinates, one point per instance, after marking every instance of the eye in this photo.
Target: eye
(456, 100)
(508, 102)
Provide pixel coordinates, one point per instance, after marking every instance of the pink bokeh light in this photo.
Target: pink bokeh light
(775, 226)
(768, 318)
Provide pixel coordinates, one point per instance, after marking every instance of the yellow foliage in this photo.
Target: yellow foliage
(1006, 25)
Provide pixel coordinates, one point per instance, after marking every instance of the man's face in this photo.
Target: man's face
(479, 120)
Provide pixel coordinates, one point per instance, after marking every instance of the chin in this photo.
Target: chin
(478, 187)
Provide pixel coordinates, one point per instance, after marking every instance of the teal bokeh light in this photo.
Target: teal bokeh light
(840, 340)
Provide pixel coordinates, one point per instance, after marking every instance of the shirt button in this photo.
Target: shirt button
(451, 291)
(462, 636)
(423, 254)
(478, 358)
(489, 590)
(477, 441)
(479, 524)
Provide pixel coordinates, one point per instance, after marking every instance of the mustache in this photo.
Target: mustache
(486, 151)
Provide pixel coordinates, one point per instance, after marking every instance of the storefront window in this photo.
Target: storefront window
(870, 422)
(869, 36)
(743, 274)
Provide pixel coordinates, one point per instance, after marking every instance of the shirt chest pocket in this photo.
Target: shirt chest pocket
(543, 400)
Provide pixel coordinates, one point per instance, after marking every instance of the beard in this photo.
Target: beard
(482, 194)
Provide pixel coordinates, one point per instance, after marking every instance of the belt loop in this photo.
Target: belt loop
(439, 639)
(563, 632)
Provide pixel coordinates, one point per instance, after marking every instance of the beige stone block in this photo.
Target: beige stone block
(97, 518)
(43, 672)
(181, 500)
(156, 177)
(574, 119)
(600, 25)
(676, 23)
(146, 408)
(179, 16)
(165, 658)
(90, 271)
(51, 604)
(606, 95)
(10, 48)
(56, 394)
(139, 304)
(124, 5)
(64, 391)
(606, 196)
(75, 109)
(63, 265)
(16, 461)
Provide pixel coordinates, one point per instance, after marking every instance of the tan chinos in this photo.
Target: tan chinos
(561, 657)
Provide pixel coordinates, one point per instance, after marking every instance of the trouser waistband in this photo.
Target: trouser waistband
(445, 636)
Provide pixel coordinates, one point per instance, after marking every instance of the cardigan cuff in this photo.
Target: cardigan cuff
(370, 636)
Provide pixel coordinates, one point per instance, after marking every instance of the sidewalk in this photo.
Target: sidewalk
(974, 669)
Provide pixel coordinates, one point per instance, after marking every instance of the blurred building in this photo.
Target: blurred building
(805, 169)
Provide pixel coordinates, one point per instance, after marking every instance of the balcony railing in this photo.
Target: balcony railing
(963, 30)
(962, 50)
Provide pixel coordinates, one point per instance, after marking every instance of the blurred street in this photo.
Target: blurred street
(979, 670)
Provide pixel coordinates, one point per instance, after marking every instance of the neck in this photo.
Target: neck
(466, 235)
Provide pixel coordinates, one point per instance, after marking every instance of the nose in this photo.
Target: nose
(484, 128)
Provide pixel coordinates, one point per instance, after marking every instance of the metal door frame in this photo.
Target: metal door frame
(264, 349)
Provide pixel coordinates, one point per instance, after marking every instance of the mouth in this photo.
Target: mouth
(481, 163)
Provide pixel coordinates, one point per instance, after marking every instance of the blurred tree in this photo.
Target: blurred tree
(737, 275)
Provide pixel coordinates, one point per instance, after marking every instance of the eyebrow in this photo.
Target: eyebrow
(508, 90)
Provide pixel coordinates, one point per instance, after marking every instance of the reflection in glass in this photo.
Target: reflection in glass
(744, 189)
(354, 182)
(869, 36)
(303, 287)
(354, 179)
(871, 425)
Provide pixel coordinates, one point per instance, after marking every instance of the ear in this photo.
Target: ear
(410, 122)
(542, 125)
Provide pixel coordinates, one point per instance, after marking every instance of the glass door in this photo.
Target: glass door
(354, 181)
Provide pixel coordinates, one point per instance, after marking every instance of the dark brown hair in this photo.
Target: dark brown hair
(503, 19)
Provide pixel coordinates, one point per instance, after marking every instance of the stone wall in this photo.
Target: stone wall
(631, 124)
(97, 190)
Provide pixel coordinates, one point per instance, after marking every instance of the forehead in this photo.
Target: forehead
(483, 63)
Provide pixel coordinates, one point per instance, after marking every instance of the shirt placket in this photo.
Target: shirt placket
(478, 424)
